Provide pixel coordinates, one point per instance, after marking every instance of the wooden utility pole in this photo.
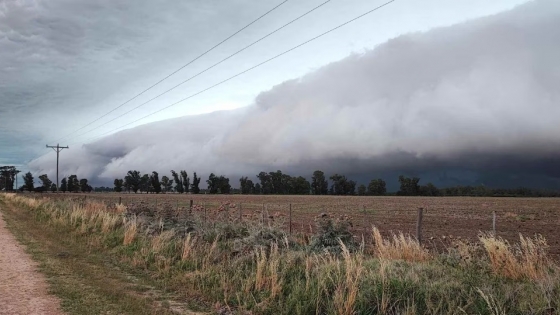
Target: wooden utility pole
(57, 148)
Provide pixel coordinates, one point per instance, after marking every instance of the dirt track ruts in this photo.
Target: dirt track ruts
(23, 290)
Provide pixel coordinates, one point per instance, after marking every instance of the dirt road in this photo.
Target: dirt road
(23, 290)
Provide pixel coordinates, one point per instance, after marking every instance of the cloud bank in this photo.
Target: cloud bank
(479, 97)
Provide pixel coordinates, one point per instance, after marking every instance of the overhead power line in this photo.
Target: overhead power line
(205, 70)
(247, 70)
(172, 73)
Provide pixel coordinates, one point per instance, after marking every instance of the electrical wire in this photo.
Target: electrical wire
(245, 71)
(174, 72)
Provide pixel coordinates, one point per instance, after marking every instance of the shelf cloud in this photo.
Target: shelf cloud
(479, 98)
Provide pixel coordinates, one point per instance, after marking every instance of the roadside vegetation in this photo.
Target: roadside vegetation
(250, 268)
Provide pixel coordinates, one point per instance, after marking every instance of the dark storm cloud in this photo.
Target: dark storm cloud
(479, 98)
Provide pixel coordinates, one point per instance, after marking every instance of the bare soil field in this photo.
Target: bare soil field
(445, 218)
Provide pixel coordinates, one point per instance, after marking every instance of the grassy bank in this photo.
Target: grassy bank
(247, 267)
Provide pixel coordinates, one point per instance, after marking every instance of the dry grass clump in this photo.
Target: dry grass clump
(267, 276)
(130, 231)
(188, 246)
(527, 260)
(346, 292)
(32, 203)
(399, 247)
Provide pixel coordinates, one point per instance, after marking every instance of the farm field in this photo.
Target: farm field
(444, 220)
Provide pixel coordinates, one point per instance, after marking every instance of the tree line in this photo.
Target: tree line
(268, 183)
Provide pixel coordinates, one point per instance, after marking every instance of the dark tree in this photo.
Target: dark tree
(429, 190)
(186, 181)
(377, 187)
(64, 185)
(145, 184)
(84, 187)
(166, 184)
(266, 183)
(8, 177)
(155, 184)
(218, 185)
(247, 186)
(53, 187)
(133, 180)
(28, 182)
(118, 184)
(319, 184)
(178, 182)
(195, 189)
(409, 186)
(258, 189)
(362, 190)
(46, 181)
(73, 183)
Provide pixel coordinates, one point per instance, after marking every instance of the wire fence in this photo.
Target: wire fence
(436, 222)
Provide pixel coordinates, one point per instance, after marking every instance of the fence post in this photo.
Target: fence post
(156, 202)
(240, 214)
(494, 223)
(290, 219)
(190, 206)
(419, 225)
(177, 206)
(120, 201)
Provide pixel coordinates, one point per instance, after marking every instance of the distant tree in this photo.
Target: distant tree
(409, 186)
(265, 183)
(84, 187)
(429, 190)
(300, 186)
(195, 183)
(377, 187)
(166, 184)
(133, 180)
(53, 187)
(28, 181)
(118, 184)
(155, 184)
(247, 186)
(64, 185)
(319, 184)
(342, 186)
(145, 183)
(218, 185)
(46, 181)
(362, 190)
(186, 181)
(8, 177)
(178, 182)
(73, 183)
(257, 190)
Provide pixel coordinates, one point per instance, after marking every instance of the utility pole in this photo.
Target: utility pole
(57, 148)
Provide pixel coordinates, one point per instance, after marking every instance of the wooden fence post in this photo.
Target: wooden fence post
(290, 219)
(494, 223)
(240, 214)
(190, 206)
(419, 225)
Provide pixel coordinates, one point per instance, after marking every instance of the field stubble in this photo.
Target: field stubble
(445, 218)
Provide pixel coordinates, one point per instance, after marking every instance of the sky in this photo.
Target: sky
(441, 88)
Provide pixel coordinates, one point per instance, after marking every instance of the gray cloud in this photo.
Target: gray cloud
(479, 96)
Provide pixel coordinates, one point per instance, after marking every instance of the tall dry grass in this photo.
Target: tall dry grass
(346, 292)
(399, 247)
(130, 231)
(528, 259)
